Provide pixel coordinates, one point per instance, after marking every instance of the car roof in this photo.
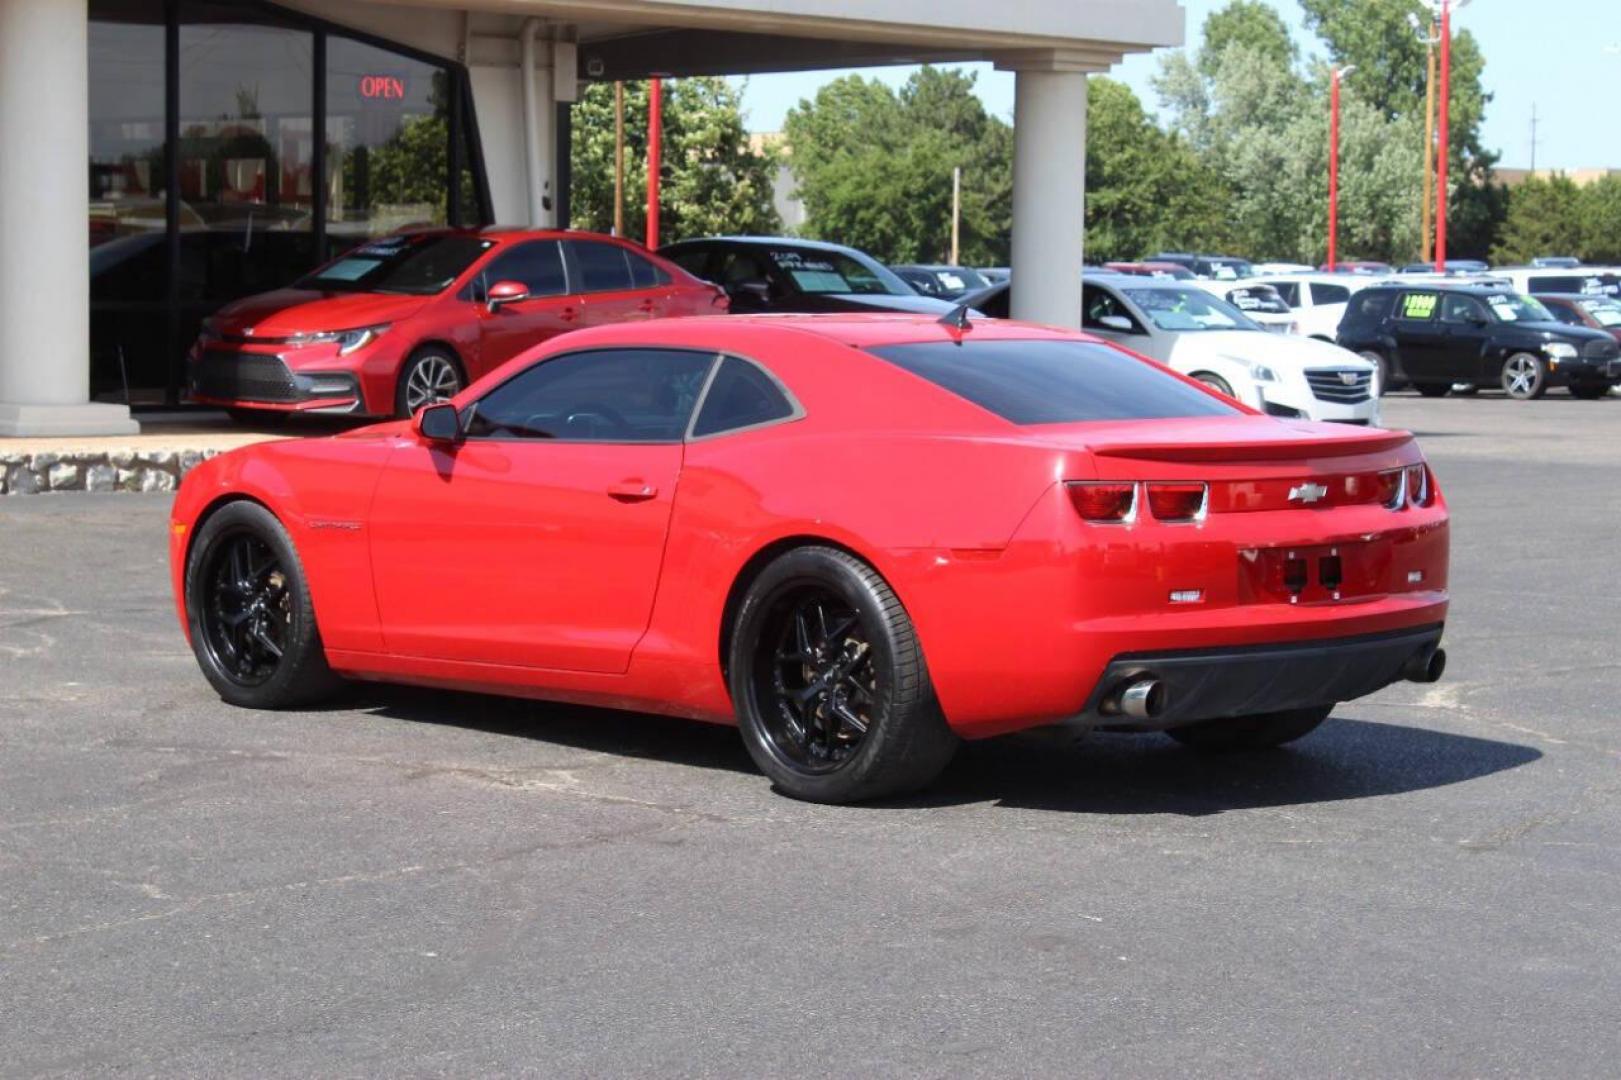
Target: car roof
(854, 329)
(765, 241)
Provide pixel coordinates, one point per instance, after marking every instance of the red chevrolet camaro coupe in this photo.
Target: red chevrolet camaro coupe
(860, 538)
(406, 320)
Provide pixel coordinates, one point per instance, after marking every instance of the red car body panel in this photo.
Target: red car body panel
(481, 339)
(519, 567)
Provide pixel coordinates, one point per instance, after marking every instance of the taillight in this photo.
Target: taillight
(1104, 502)
(1177, 502)
(1392, 489)
(1418, 485)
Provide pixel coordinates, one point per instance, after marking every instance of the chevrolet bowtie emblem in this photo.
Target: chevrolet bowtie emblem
(1307, 493)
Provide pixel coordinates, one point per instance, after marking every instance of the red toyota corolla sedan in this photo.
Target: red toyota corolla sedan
(858, 537)
(409, 319)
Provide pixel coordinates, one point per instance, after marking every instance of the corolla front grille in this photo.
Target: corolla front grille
(1341, 387)
(243, 377)
(1601, 350)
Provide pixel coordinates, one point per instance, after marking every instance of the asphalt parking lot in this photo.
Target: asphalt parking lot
(430, 883)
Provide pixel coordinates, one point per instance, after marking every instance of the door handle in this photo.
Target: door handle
(569, 314)
(631, 491)
(647, 306)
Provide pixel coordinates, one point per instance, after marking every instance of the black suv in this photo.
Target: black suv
(1435, 335)
(768, 273)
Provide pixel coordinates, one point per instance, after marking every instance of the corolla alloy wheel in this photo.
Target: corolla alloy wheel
(431, 377)
(1524, 377)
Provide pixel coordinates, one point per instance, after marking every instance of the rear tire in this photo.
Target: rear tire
(1465, 389)
(1525, 377)
(1433, 389)
(1259, 732)
(832, 694)
(250, 614)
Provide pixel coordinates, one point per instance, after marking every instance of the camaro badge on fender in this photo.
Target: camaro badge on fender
(1307, 493)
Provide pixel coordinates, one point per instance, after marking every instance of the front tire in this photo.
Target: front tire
(832, 693)
(1525, 377)
(250, 614)
(1215, 382)
(430, 376)
(1382, 373)
(1259, 732)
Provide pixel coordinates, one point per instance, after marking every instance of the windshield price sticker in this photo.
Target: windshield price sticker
(1418, 305)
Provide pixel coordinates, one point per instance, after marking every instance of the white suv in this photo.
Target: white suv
(1317, 300)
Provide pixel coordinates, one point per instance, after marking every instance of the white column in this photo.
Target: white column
(44, 224)
(1049, 186)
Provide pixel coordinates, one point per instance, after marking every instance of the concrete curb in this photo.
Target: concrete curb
(112, 470)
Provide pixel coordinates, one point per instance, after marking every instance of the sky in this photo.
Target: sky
(1554, 54)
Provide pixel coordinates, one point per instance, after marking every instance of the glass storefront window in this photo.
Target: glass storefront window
(388, 139)
(245, 166)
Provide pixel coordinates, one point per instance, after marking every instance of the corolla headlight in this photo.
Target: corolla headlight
(1560, 350)
(347, 340)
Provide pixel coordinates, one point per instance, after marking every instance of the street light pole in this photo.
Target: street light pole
(655, 137)
(1334, 77)
(1427, 35)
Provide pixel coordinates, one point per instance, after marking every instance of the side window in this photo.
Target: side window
(1329, 294)
(1461, 309)
(1564, 314)
(1419, 306)
(643, 273)
(1290, 291)
(737, 267)
(741, 396)
(603, 395)
(1097, 305)
(603, 267)
(694, 261)
(538, 264)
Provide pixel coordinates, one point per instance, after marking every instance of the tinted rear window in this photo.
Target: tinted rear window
(1054, 382)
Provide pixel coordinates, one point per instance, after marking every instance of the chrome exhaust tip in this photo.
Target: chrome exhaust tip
(1425, 667)
(1143, 699)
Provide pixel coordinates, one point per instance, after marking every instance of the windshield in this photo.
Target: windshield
(834, 272)
(957, 280)
(1512, 307)
(416, 265)
(1188, 310)
(1606, 313)
(1262, 299)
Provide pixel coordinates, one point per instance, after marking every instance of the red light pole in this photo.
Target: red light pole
(1444, 152)
(1334, 77)
(655, 136)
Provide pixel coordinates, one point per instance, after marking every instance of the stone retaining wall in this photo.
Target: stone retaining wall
(116, 470)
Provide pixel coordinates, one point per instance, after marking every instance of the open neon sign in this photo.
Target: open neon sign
(382, 87)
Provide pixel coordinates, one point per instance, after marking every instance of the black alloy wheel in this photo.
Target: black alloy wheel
(821, 690)
(249, 611)
(246, 609)
(832, 695)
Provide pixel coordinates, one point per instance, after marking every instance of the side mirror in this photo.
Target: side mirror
(1116, 322)
(505, 292)
(438, 423)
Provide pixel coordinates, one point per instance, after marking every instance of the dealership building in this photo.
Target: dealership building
(159, 158)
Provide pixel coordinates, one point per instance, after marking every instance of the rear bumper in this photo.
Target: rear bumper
(1216, 683)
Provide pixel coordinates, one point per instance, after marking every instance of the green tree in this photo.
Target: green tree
(1600, 240)
(1545, 217)
(1253, 23)
(1145, 190)
(713, 180)
(1378, 37)
(874, 167)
